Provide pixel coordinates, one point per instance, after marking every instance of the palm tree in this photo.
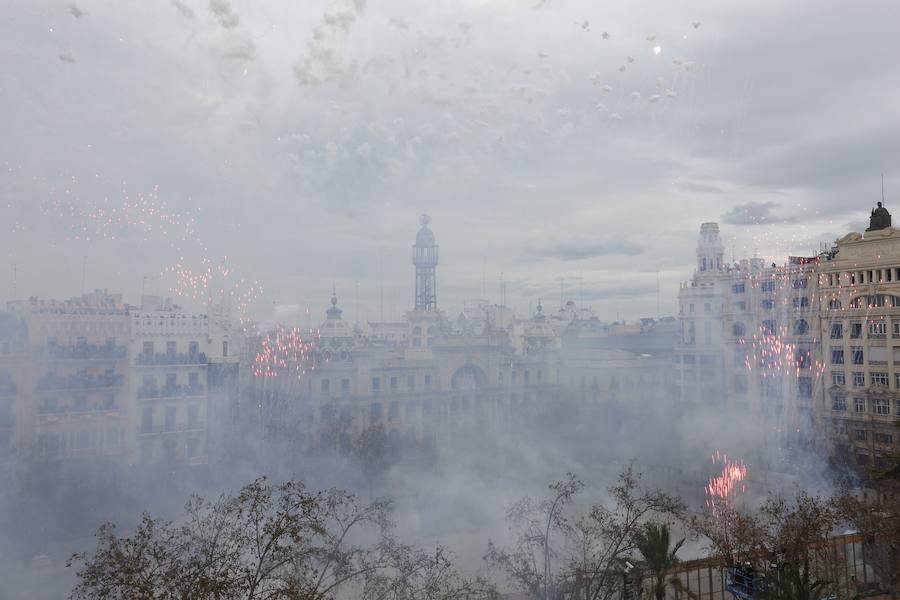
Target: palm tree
(652, 541)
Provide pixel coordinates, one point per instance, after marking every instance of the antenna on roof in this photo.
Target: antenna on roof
(882, 188)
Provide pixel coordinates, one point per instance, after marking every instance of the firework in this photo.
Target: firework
(722, 489)
(282, 351)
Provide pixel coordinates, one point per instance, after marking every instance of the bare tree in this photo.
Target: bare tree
(268, 542)
(593, 546)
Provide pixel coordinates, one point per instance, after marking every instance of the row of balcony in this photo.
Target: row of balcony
(77, 407)
(146, 392)
(85, 351)
(171, 428)
(79, 381)
(171, 358)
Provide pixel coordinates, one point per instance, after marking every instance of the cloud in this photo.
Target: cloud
(223, 14)
(751, 213)
(588, 248)
(183, 9)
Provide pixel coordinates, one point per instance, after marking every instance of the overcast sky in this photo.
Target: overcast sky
(554, 140)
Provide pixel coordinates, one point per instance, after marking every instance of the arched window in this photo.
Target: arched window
(801, 327)
(834, 305)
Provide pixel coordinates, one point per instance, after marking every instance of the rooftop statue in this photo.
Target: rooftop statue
(879, 219)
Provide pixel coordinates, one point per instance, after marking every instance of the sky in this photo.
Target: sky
(569, 149)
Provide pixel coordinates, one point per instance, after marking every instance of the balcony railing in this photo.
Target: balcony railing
(178, 391)
(184, 358)
(49, 410)
(79, 381)
(177, 428)
(84, 351)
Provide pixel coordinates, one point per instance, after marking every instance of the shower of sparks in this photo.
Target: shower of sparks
(140, 215)
(282, 351)
(722, 489)
(208, 282)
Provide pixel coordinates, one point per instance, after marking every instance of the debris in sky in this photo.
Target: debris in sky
(66, 58)
(616, 116)
(651, 37)
(655, 98)
(586, 25)
(223, 13)
(671, 93)
(622, 69)
(543, 55)
(696, 24)
(604, 35)
(657, 49)
(630, 59)
(601, 107)
(606, 88)
(76, 12)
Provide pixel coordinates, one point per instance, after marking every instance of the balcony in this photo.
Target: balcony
(51, 410)
(150, 392)
(80, 381)
(85, 351)
(169, 359)
(178, 428)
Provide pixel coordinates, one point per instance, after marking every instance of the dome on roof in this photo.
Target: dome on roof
(425, 237)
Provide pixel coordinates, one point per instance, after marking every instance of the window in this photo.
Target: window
(147, 419)
(802, 358)
(881, 406)
(394, 384)
(834, 304)
(740, 306)
(738, 329)
(767, 304)
(148, 349)
(769, 327)
(857, 355)
(801, 327)
(225, 349)
(194, 380)
(897, 329)
(883, 438)
(428, 382)
(859, 405)
(859, 379)
(837, 331)
(170, 418)
(707, 308)
(837, 378)
(190, 447)
(83, 440)
(171, 381)
(801, 302)
(804, 387)
(879, 378)
(861, 435)
(193, 349)
(877, 328)
(376, 385)
(345, 387)
(375, 412)
(837, 355)
(691, 309)
(800, 284)
(325, 386)
(193, 416)
(170, 349)
(897, 408)
(855, 330)
(393, 411)
(738, 288)
(411, 383)
(767, 286)
(838, 403)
